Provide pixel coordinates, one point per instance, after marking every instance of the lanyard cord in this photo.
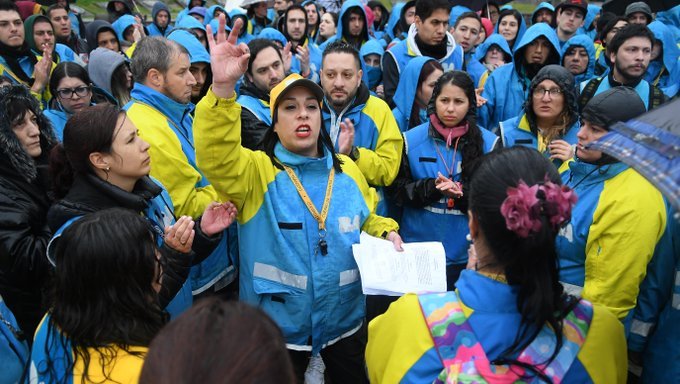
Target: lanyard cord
(319, 217)
(453, 159)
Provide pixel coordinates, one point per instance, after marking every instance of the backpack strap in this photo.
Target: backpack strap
(656, 97)
(588, 92)
(575, 328)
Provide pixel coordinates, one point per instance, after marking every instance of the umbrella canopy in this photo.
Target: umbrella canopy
(651, 145)
(478, 5)
(619, 6)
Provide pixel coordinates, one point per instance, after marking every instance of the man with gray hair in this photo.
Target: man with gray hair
(161, 110)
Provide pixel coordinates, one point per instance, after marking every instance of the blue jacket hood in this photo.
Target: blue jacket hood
(456, 11)
(372, 46)
(671, 19)
(190, 23)
(520, 32)
(534, 32)
(273, 34)
(197, 52)
(345, 7)
(395, 16)
(157, 7)
(585, 42)
(593, 10)
(215, 25)
(543, 5)
(247, 27)
(210, 14)
(494, 39)
(671, 52)
(122, 24)
(405, 95)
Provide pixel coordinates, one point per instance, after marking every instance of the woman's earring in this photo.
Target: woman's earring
(468, 237)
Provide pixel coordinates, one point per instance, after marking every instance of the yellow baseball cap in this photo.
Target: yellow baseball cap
(293, 80)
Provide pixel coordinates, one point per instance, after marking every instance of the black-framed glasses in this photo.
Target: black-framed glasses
(553, 92)
(67, 93)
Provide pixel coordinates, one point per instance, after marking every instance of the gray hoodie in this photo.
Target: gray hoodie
(101, 66)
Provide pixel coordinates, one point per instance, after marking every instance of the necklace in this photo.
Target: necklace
(319, 217)
(449, 201)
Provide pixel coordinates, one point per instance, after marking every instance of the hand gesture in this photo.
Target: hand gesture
(41, 71)
(380, 91)
(346, 137)
(303, 56)
(228, 61)
(560, 149)
(447, 186)
(480, 100)
(180, 236)
(218, 217)
(396, 240)
(287, 56)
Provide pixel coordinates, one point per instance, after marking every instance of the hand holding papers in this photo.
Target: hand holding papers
(421, 267)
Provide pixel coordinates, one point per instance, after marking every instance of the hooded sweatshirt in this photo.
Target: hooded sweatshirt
(154, 29)
(543, 5)
(508, 86)
(520, 31)
(342, 25)
(245, 36)
(582, 41)
(95, 28)
(372, 75)
(113, 14)
(405, 97)
(588, 28)
(663, 71)
(671, 19)
(210, 14)
(60, 53)
(523, 129)
(103, 62)
(397, 57)
(123, 23)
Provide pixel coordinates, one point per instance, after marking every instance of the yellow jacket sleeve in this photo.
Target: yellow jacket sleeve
(380, 166)
(169, 164)
(603, 353)
(374, 225)
(238, 174)
(627, 223)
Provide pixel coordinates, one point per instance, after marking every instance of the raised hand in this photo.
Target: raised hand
(303, 56)
(560, 149)
(346, 137)
(228, 60)
(41, 71)
(180, 236)
(287, 56)
(218, 217)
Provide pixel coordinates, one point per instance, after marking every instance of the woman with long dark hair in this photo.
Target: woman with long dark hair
(414, 91)
(25, 141)
(436, 164)
(301, 207)
(105, 306)
(103, 163)
(549, 121)
(509, 319)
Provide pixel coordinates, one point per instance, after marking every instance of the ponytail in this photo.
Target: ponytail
(61, 172)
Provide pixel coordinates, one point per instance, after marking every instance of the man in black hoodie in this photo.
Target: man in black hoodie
(265, 71)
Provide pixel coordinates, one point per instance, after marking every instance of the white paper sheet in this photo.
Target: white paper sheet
(384, 271)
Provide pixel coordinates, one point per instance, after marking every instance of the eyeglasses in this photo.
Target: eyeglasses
(553, 92)
(67, 93)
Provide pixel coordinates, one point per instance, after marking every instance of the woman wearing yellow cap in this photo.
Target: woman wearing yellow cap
(301, 207)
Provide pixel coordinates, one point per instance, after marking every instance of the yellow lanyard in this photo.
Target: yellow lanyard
(319, 217)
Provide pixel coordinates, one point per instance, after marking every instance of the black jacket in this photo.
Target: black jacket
(252, 128)
(24, 202)
(90, 194)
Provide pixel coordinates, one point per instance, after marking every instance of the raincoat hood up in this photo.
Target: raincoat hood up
(405, 96)
(585, 42)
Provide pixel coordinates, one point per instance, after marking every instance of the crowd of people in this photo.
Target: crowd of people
(179, 196)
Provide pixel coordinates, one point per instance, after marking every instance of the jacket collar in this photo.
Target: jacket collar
(587, 174)
(173, 110)
(294, 160)
(483, 294)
